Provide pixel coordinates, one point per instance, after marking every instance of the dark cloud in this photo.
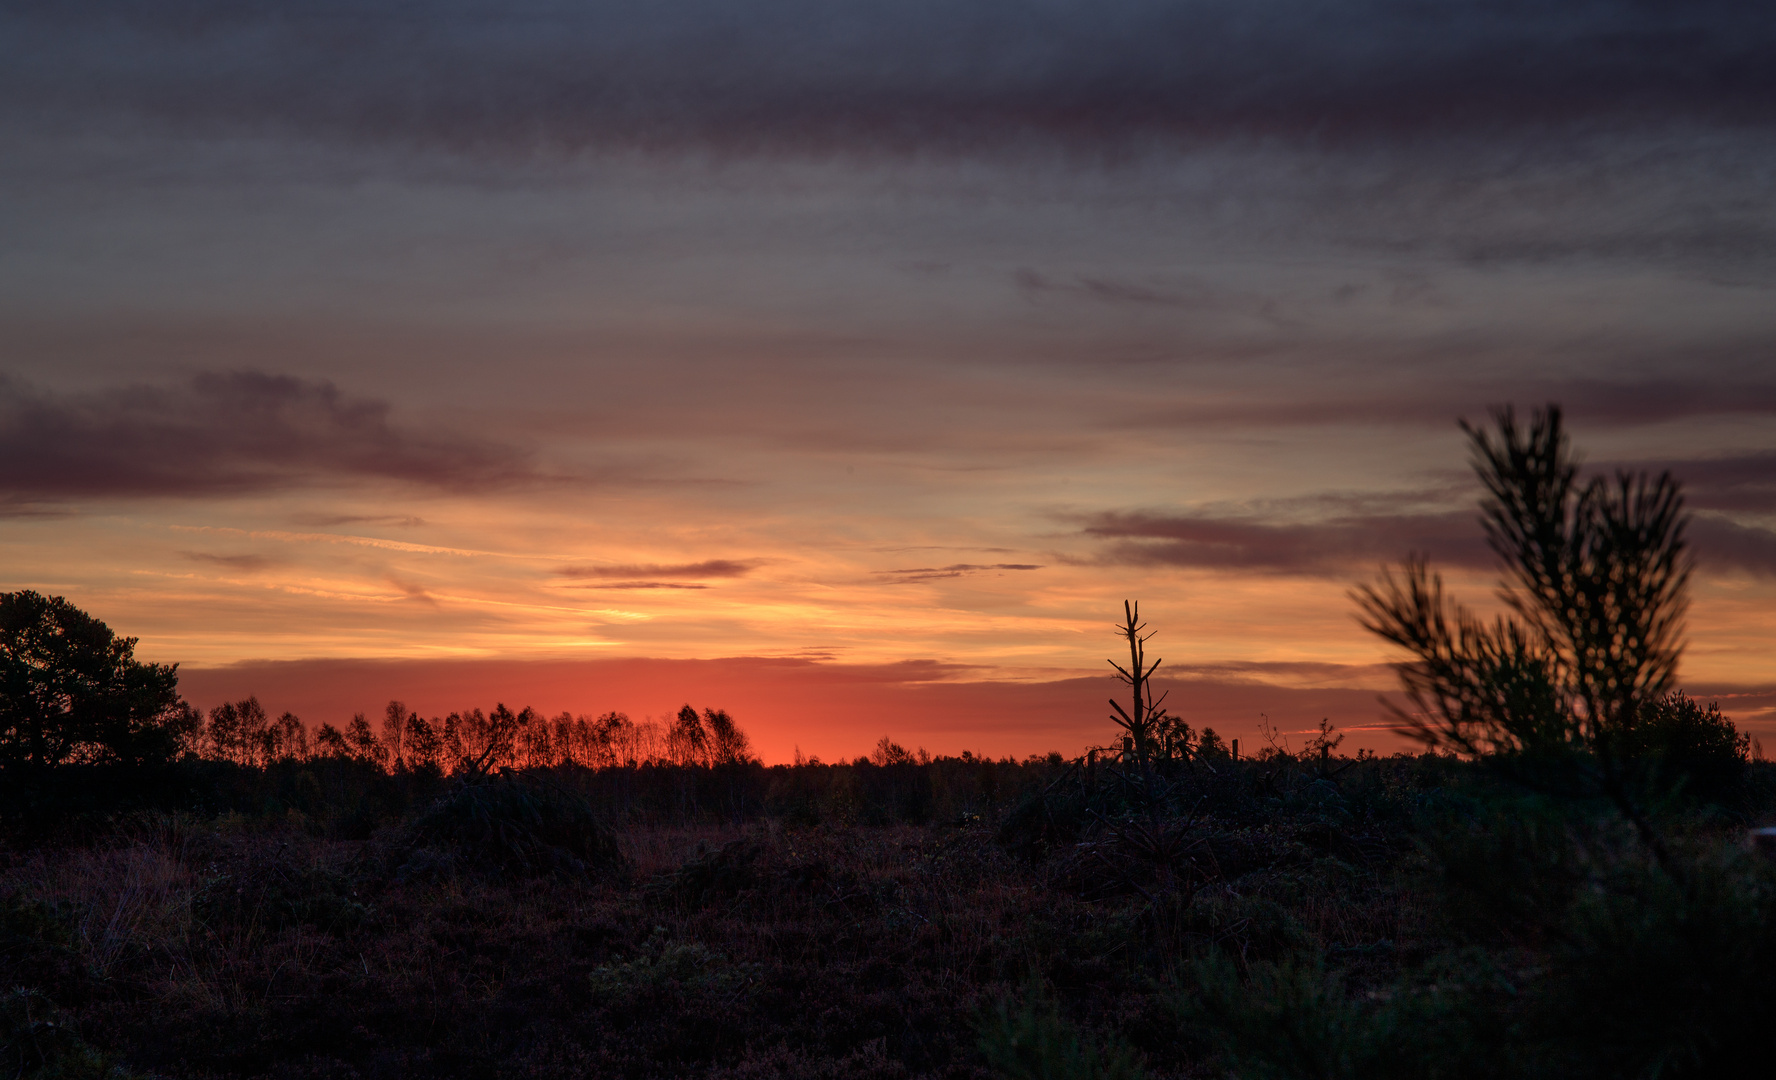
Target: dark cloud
(223, 434)
(1723, 544)
(1348, 542)
(1596, 401)
(247, 563)
(1586, 402)
(955, 570)
(808, 74)
(1734, 482)
(645, 572)
(1335, 545)
(1717, 242)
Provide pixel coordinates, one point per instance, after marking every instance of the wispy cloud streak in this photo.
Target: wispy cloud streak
(709, 568)
(954, 570)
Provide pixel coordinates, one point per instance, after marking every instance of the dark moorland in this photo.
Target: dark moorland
(1564, 884)
(1293, 916)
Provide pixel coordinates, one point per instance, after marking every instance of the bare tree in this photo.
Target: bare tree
(1144, 717)
(288, 738)
(688, 741)
(363, 742)
(329, 741)
(492, 740)
(728, 745)
(394, 730)
(240, 731)
(422, 742)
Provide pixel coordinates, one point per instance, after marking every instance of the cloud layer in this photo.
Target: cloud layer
(805, 75)
(1336, 545)
(1339, 534)
(221, 435)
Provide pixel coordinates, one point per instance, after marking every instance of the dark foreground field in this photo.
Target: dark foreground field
(1290, 917)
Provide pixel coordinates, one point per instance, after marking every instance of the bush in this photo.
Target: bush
(1690, 751)
(1032, 1041)
(38, 1040)
(1296, 1018)
(518, 827)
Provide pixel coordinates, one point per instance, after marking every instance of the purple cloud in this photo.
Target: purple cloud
(914, 74)
(224, 434)
(1334, 546)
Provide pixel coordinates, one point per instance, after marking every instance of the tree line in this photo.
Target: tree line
(72, 693)
(474, 741)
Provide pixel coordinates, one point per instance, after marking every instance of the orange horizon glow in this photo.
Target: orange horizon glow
(837, 711)
(829, 645)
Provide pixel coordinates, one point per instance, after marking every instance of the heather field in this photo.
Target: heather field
(1300, 915)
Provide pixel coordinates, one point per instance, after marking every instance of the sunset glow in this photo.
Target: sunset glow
(855, 422)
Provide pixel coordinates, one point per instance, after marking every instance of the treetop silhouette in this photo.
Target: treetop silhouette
(1596, 577)
(72, 692)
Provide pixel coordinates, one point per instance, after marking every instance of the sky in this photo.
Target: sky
(847, 365)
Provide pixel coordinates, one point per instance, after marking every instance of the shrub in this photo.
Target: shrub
(525, 828)
(38, 1040)
(663, 966)
(1690, 751)
(1032, 1041)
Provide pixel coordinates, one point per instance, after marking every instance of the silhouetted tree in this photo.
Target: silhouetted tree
(72, 692)
(490, 741)
(888, 752)
(688, 743)
(240, 731)
(288, 738)
(728, 745)
(563, 747)
(630, 743)
(329, 741)
(1210, 746)
(394, 732)
(454, 750)
(1596, 575)
(424, 746)
(363, 743)
(1144, 717)
(536, 743)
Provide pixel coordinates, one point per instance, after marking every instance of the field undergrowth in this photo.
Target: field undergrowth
(950, 919)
